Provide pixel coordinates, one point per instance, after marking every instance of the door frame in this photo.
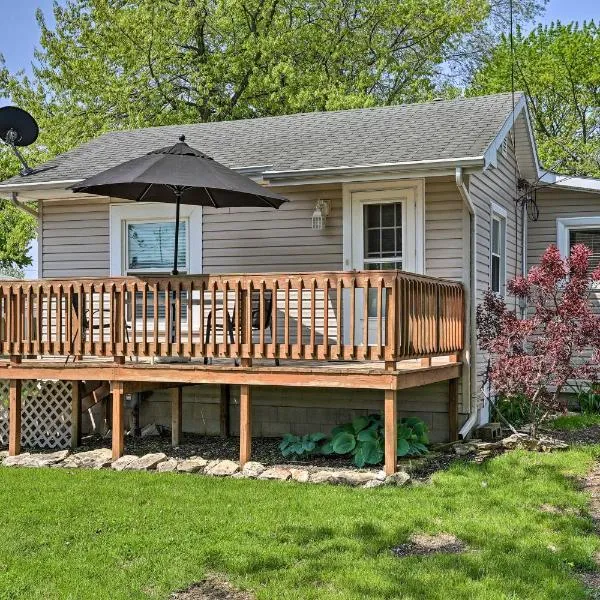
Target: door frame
(357, 194)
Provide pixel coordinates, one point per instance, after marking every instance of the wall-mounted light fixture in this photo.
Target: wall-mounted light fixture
(320, 214)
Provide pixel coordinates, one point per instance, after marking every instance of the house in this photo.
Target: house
(363, 286)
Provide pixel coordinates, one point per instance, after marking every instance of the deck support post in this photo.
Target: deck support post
(245, 424)
(176, 415)
(14, 417)
(118, 421)
(453, 409)
(224, 402)
(391, 431)
(75, 414)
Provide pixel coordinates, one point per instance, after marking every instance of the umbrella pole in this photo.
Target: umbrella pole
(177, 206)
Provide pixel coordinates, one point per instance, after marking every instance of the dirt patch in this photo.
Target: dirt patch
(422, 545)
(212, 588)
(586, 435)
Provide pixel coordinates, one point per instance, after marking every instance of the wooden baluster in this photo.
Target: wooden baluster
(122, 320)
(101, 324)
(167, 347)
(365, 329)
(19, 317)
(237, 312)
(89, 339)
(177, 293)
(213, 308)
(286, 318)
(313, 316)
(352, 353)
(133, 337)
(59, 319)
(248, 324)
(379, 321)
(274, 324)
(155, 323)
(201, 310)
(261, 318)
(325, 354)
(298, 351)
(339, 317)
(30, 328)
(40, 321)
(391, 320)
(190, 327)
(145, 345)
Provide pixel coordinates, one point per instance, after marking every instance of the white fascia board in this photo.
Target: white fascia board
(588, 184)
(491, 154)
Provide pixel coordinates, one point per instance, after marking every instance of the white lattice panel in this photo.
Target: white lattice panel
(46, 414)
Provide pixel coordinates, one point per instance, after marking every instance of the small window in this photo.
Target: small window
(498, 254)
(383, 235)
(589, 237)
(150, 247)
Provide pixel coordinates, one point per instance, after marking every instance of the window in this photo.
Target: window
(383, 235)
(589, 237)
(579, 230)
(498, 250)
(150, 246)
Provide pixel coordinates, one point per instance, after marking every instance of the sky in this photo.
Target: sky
(20, 34)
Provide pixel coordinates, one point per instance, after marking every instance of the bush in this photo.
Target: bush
(363, 439)
(515, 410)
(589, 400)
(296, 445)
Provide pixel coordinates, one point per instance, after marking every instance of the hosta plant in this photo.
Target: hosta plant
(363, 439)
(301, 445)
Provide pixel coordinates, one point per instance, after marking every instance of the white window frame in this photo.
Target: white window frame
(411, 192)
(564, 227)
(152, 212)
(499, 214)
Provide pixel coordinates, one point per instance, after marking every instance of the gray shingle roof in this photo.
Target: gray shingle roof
(450, 129)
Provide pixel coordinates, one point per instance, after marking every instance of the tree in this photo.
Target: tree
(556, 345)
(558, 66)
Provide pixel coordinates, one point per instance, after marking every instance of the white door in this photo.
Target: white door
(386, 235)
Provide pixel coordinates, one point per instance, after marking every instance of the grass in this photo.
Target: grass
(82, 535)
(580, 421)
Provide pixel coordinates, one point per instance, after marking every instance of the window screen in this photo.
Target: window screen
(589, 237)
(150, 246)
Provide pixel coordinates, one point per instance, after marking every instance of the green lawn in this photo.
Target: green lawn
(579, 421)
(99, 534)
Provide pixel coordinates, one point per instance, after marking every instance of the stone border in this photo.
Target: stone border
(161, 463)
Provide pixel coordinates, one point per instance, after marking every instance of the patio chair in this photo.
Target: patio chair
(255, 320)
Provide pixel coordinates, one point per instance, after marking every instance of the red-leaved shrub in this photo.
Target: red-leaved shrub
(556, 344)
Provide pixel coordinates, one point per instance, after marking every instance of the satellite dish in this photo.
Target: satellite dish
(18, 128)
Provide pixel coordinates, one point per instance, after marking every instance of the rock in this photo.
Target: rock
(240, 475)
(3, 455)
(253, 469)
(223, 468)
(148, 462)
(353, 477)
(278, 473)
(524, 441)
(169, 466)
(323, 477)
(122, 463)
(374, 483)
(399, 478)
(16, 461)
(93, 459)
(299, 475)
(35, 460)
(192, 465)
(486, 446)
(463, 449)
(380, 475)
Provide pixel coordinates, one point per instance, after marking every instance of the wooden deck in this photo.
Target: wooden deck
(376, 330)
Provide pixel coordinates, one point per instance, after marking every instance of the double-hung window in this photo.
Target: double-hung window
(498, 250)
(580, 230)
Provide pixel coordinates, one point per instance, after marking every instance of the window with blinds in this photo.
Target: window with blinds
(589, 237)
(150, 247)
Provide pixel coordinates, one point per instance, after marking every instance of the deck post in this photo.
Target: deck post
(453, 409)
(176, 415)
(14, 417)
(391, 431)
(245, 424)
(118, 423)
(75, 414)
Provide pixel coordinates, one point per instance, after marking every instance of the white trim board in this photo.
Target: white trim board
(564, 225)
(415, 223)
(122, 212)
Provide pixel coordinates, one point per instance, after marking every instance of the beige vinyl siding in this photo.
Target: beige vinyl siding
(557, 204)
(75, 238)
(264, 240)
(445, 241)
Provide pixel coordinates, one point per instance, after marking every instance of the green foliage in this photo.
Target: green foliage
(300, 445)
(363, 439)
(573, 422)
(516, 410)
(558, 66)
(589, 399)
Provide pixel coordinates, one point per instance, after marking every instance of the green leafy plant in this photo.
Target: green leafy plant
(301, 445)
(363, 439)
(515, 410)
(589, 400)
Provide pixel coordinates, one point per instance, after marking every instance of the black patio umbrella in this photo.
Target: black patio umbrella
(182, 175)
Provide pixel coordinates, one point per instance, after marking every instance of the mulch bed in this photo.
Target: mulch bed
(587, 435)
(212, 588)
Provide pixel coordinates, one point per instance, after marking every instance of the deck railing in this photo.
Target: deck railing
(358, 315)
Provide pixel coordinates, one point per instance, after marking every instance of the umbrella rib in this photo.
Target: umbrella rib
(210, 197)
(146, 190)
(271, 204)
